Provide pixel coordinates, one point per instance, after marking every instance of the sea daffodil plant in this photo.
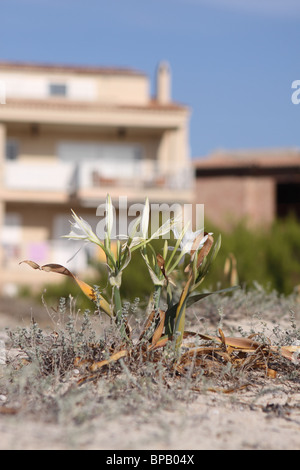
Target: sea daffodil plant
(195, 250)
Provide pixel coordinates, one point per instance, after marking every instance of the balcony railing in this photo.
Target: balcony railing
(25, 176)
(142, 173)
(69, 177)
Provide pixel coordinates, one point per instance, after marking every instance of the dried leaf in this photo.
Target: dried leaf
(237, 343)
(161, 264)
(160, 261)
(228, 390)
(242, 343)
(230, 269)
(197, 242)
(114, 357)
(6, 410)
(194, 352)
(86, 289)
(31, 263)
(287, 351)
(271, 373)
(222, 338)
(79, 362)
(205, 250)
(158, 332)
(221, 390)
(128, 328)
(160, 343)
(147, 324)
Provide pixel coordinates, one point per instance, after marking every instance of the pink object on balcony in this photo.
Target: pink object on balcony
(38, 252)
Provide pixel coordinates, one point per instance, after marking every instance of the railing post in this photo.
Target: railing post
(2, 92)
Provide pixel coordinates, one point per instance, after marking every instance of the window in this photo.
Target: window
(11, 230)
(11, 238)
(58, 89)
(12, 149)
(288, 199)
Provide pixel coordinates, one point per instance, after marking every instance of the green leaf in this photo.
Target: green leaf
(196, 297)
(157, 280)
(125, 258)
(180, 313)
(174, 250)
(171, 311)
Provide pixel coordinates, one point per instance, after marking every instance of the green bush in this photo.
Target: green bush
(269, 256)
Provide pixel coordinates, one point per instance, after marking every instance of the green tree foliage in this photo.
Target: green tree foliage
(269, 256)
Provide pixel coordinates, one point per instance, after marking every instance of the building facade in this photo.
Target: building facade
(70, 135)
(257, 186)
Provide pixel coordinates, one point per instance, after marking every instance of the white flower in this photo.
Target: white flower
(83, 230)
(191, 241)
(138, 239)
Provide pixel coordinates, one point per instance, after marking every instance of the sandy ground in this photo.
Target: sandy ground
(264, 416)
(211, 422)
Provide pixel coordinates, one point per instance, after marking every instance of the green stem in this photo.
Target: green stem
(118, 304)
(179, 326)
(180, 313)
(118, 312)
(157, 295)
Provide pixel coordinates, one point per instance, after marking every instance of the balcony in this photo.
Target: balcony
(91, 180)
(37, 176)
(37, 182)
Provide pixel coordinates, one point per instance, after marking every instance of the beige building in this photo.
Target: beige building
(70, 135)
(257, 186)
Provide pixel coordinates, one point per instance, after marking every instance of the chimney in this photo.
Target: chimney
(163, 83)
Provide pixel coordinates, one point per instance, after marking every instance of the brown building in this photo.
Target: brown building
(257, 186)
(70, 135)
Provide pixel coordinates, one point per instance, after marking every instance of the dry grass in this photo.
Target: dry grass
(76, 372)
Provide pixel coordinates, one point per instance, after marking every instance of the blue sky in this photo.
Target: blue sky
(233, 61)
